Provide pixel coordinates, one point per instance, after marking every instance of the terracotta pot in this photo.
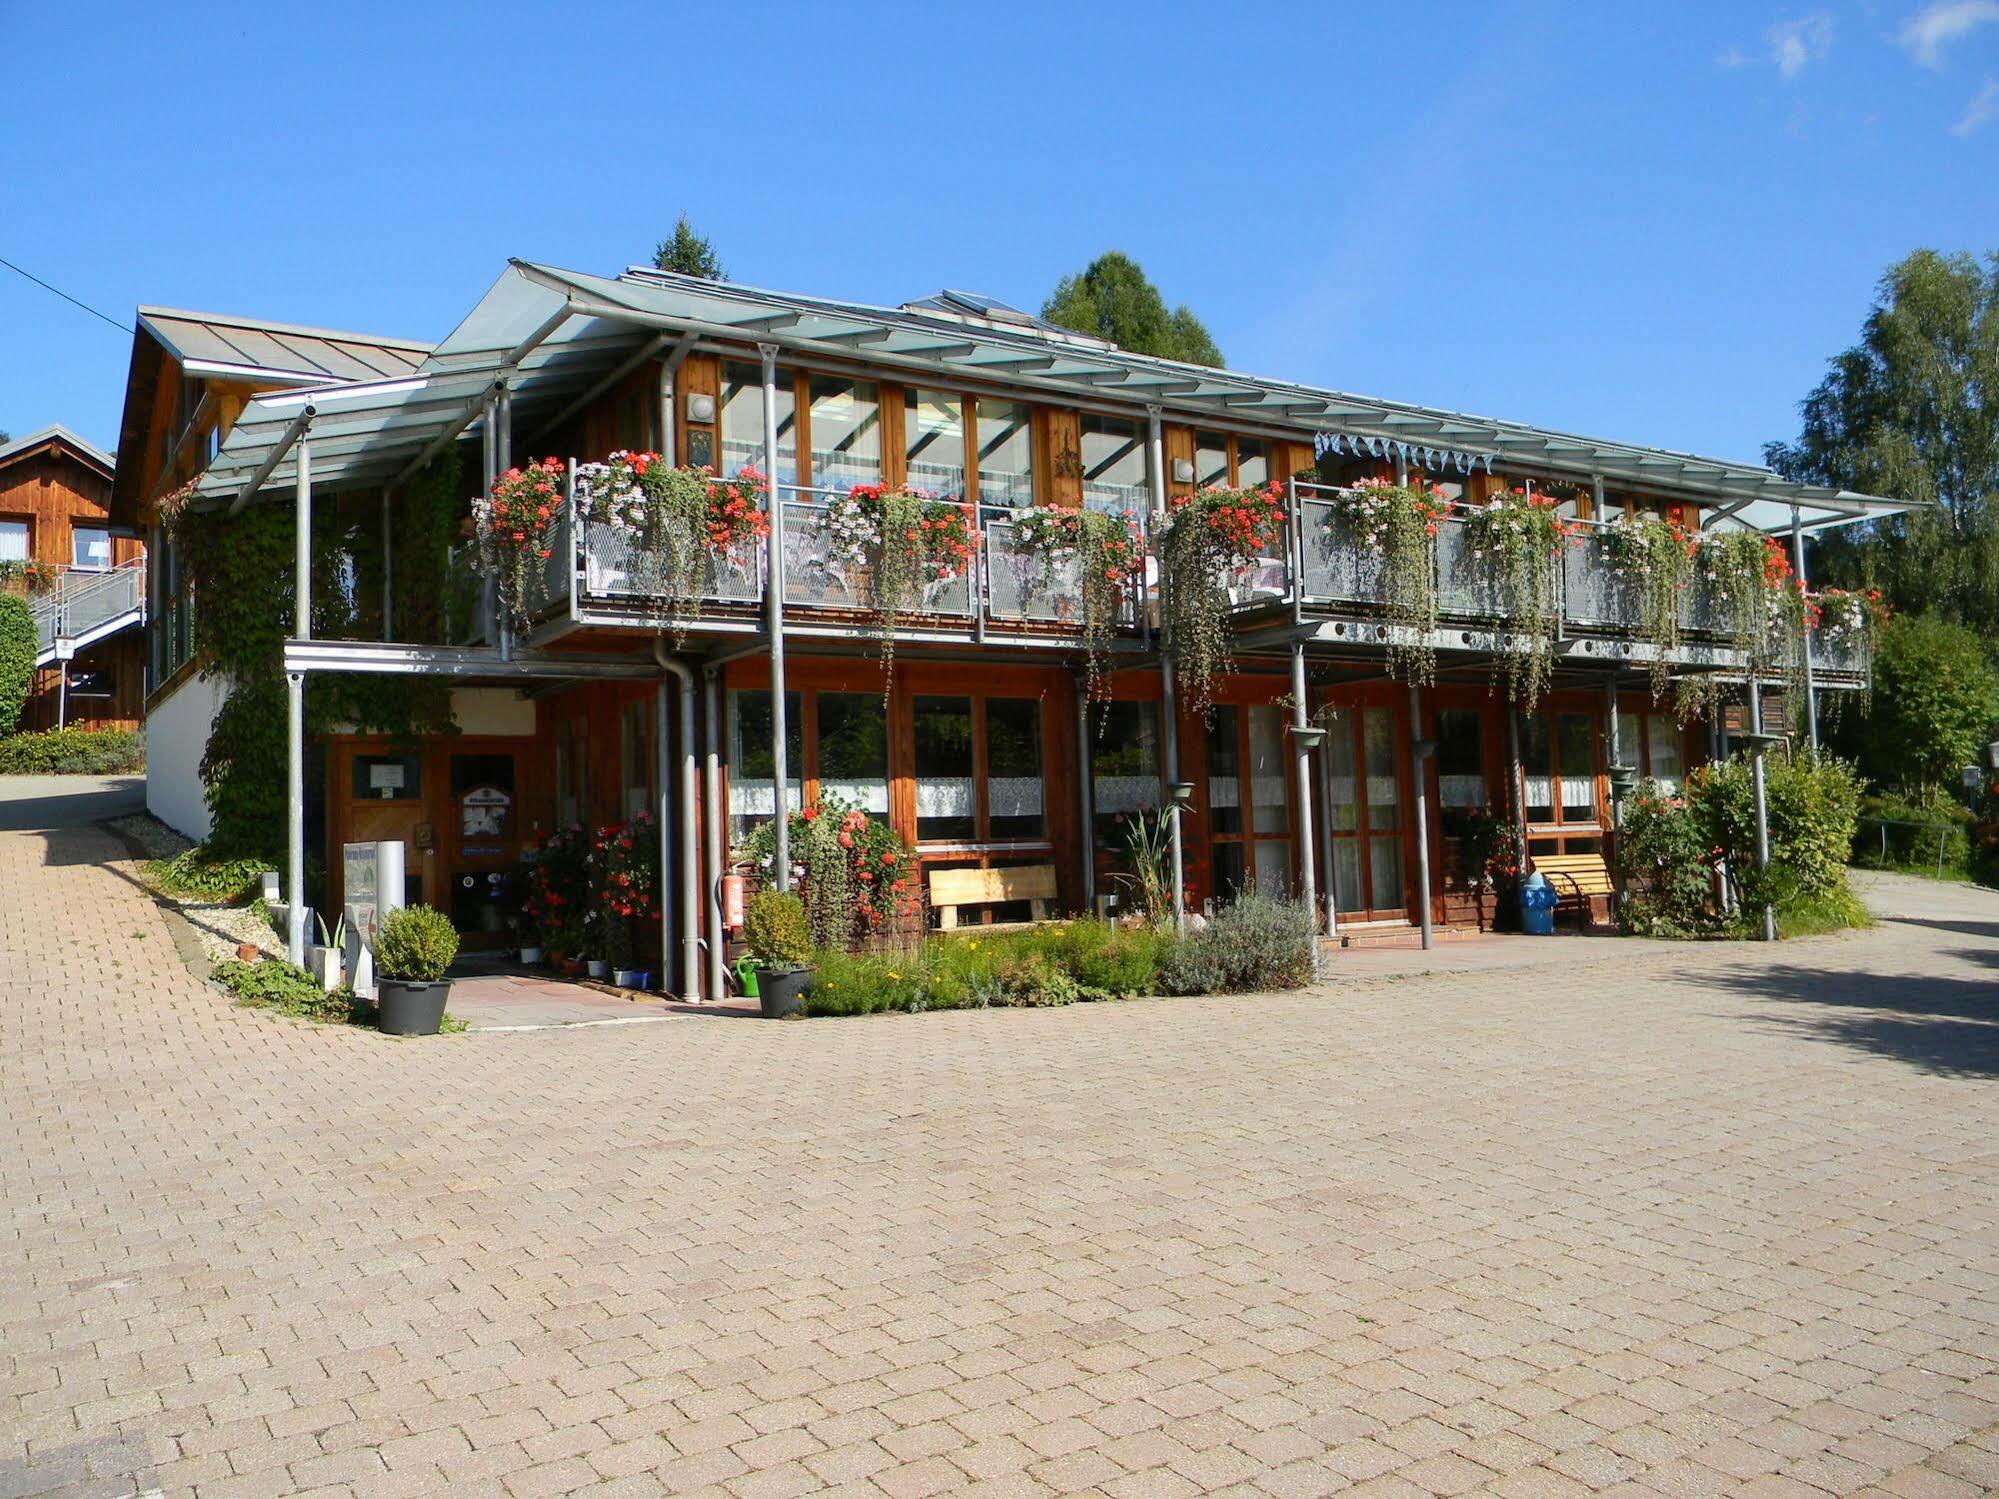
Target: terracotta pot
(248, 952)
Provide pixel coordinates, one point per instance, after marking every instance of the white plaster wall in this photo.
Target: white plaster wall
(491, 710)
(177, 728)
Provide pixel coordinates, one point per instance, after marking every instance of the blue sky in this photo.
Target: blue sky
(1653, 227)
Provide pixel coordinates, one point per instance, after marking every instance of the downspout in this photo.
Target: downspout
(1155, 456)
(711, 819)
(683, 828)
(1308, 853)
(1086, 820)
(1421, 786)
(774, 625)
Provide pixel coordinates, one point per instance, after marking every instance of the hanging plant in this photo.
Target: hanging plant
(1516, 540)
(513, 522)
(1207, 538)
(1399, 524)
(29, 579)
(1655, 559)
(905, 543)
(680, 518)
(1097, 555)
(856, 877)
(1751, 584)
(1848, 617)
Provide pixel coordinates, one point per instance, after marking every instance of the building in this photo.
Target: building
(611, 691)
(83, 577)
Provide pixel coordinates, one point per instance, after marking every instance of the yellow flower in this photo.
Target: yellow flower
(895, 975)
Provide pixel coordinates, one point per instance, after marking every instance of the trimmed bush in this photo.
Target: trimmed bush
(87, 752)
(415, 945)
(17, 659)
(1256, 942)
(775, 928)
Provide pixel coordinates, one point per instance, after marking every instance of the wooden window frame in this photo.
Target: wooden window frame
(982, 842)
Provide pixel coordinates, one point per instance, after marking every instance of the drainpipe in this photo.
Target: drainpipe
(1155, 454)
(682, 830)
(1422, 801)
(1085, 812)
(1301, 720)
(1517, 791)
(774, 624)
(1811, 686)
(295, 708)
(711, 819)
(1759, 785)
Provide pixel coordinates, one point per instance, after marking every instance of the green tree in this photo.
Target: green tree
(1934, 703)
(1113, 300)
(1912, 411)
(689, 254)
(17, 659)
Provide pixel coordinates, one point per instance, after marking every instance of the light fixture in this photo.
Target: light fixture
(700, 407)
(1183, 471)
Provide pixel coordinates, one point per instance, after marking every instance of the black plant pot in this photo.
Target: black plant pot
(411, 1009)
(780, 990)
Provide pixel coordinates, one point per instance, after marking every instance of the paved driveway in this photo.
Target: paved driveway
(1709, 1220)
(67, 801)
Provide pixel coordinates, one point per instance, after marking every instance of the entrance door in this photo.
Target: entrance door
(481, 842)
(1249, 800)
(1364, 814)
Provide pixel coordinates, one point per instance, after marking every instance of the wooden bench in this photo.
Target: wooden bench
(951, 889)
(1576, 878)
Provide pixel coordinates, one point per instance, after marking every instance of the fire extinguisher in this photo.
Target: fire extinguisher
(732, 901)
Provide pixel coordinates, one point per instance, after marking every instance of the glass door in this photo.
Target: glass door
(1364, 814)
(1249, 801)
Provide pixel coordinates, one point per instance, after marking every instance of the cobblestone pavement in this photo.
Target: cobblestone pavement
(1712, 1220)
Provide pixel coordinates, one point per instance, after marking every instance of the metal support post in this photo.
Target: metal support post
(1760, 787)
(1421, 777)
(1301, 720)
(1811, 685)
(774, 621)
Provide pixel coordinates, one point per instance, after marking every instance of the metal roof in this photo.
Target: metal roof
(550, 333)
(56, 431)
(234, 348)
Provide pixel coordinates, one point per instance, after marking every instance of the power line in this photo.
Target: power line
(121, 327)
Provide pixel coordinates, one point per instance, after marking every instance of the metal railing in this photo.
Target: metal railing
(85, 599)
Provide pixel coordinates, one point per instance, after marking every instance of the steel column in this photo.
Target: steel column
(388, 571)
(1085, 811)
(295, 817)
(774, 622)
(711, 827)
(1760, 786)
(1421, 801)
(1811, 685)
(1307, 845)
(1155, 463)
(62, 695)
(1516, 791)
(667, 881)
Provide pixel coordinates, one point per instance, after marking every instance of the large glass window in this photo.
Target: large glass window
(1124, 764)
(1211, 459)
(1252, 465)
(1461, 759)
(635, 750)
(13, 541)
(846, 432)
(1114, 469)
(933, 441)
(945, 809)
(1013, 769)
(1364, 805)
(1654, 745)
(1006, 455)
(743, 422)
(1249, 813)
(853, 750)
(753, 763)
(1558, 763)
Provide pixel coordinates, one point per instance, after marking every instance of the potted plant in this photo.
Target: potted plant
(326, 960)
(779, 941)
(413, 947)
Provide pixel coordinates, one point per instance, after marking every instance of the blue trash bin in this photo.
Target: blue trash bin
(1537, 906)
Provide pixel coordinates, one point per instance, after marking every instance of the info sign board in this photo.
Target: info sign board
(372, 880)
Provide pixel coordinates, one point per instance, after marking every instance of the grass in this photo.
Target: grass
(1815, 915)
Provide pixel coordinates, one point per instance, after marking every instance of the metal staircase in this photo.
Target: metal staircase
(85, 607)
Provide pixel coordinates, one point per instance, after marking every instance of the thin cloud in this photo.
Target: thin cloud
(1734, 57)
(1795, 44)
(1984, 107)
(1936, 27)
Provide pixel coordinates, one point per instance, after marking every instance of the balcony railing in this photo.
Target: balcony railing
(84, 599)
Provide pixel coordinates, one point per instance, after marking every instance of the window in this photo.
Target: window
(90, 683)
(1461, 759)
(978, 770)
(1654, 745)
(1211, 460)
(1364, 803)
(753, 763)
(13, 541)
(387, 778)
(1558, 761)
(571, 772)
(1114, 466)
(635, 754)
(851, 732)
(1249, 811)
(846, 432)
(90, 548)
(1124, 765)
(1006, 455)
(743, 422)
(933, 441)
(1252, 465)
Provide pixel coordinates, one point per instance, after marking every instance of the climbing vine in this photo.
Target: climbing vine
(1208, 536)
(1515, 541)
(1099, 557)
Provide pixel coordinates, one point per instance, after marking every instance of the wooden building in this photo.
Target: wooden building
(83, 577)
(980, 745)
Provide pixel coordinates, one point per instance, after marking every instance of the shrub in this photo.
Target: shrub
(774, 926)
(415, 945)
(1932, 838)
(1813, 801)
(1934, 700)
(274, 984)
(1257, 942)
(199, 873)
(85, 752)
(1663, 860)
(17, 659)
